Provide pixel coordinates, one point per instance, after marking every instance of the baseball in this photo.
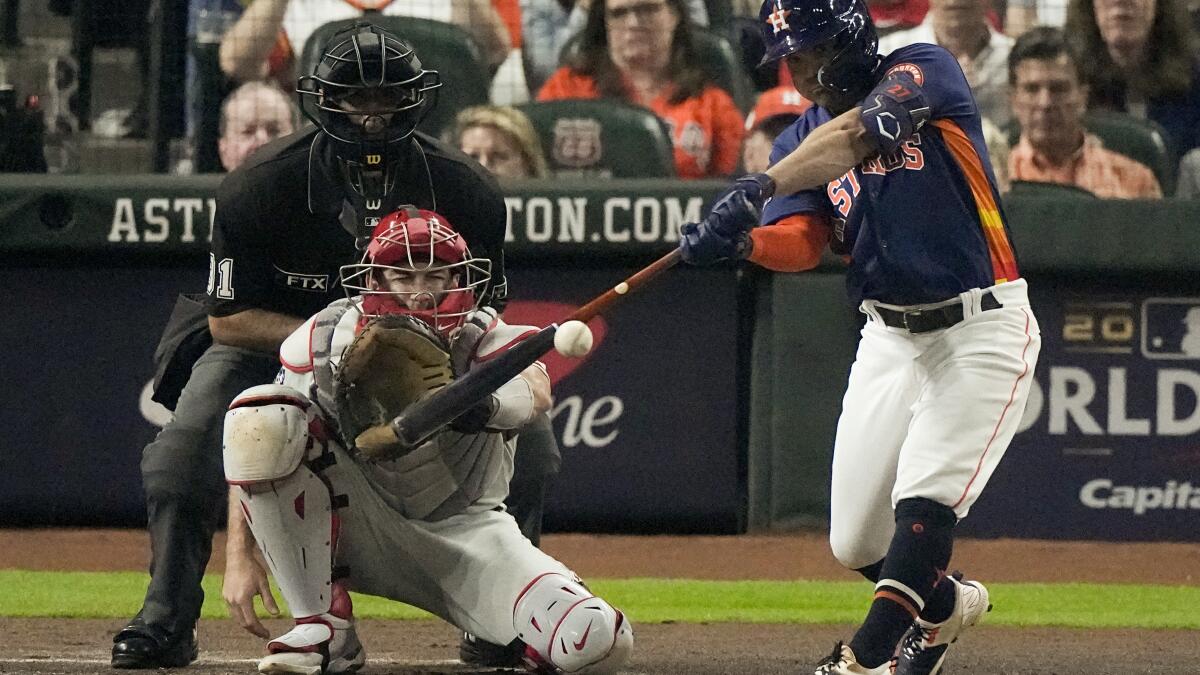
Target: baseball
(573, 339)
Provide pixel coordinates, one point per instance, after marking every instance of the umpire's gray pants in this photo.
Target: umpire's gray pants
(185, 484)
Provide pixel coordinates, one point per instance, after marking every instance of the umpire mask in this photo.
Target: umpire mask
(367, 94)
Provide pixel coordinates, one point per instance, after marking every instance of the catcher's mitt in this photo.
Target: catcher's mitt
(394, 361)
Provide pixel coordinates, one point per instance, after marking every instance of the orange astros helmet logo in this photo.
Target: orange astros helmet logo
(778, 20)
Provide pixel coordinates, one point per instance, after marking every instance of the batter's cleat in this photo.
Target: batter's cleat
(325, 644)
(138, 646)
(843, 662)
(923, 648)
(482, 654)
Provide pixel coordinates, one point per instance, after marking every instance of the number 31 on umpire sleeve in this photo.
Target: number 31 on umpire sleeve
(220, 277)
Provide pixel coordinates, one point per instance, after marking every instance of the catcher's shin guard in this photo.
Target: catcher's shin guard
(270, 431)
(569, 630)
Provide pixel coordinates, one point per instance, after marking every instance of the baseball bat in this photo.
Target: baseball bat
(424, 418)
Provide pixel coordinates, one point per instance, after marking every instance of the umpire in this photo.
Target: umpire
(285, 222)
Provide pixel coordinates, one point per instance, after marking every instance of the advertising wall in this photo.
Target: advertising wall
(1110, 441)
(643, 448)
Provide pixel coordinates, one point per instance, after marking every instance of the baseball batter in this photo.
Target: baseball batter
(890, 168)
(427, 528)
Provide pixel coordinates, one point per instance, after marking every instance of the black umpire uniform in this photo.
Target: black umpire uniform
(286, 221)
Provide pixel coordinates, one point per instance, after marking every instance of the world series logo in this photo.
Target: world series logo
(1158, 328)
(1171, 328)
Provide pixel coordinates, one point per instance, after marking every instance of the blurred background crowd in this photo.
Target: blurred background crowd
(1098, 97)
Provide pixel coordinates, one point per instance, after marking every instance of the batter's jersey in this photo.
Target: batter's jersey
(278, 242)
(445, 475)
(923, 224)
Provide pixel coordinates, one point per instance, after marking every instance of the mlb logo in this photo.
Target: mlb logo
(1171, 328)
(577, 143)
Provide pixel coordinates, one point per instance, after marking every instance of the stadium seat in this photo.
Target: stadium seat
(720, 15)
(725, 68)
(602, 138)
(440, 46)
(1138, 139)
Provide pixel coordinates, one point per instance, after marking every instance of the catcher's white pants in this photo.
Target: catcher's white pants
(928, 415)
(468, 569)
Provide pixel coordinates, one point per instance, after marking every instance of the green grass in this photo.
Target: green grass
(117, 595)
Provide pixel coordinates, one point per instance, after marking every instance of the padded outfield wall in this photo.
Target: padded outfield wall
(710, 400)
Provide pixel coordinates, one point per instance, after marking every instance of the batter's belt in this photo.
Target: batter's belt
(936, 318)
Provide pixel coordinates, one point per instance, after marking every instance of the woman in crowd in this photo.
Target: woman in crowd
(1142, 61)
(500, 138)
(643, 52)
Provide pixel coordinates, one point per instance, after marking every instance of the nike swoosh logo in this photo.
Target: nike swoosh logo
(586, 632)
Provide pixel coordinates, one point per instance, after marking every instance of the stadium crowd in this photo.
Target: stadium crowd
(1099, 96)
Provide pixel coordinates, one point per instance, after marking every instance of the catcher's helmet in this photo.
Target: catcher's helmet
(367, 93)
(416, 239)
(843, 27)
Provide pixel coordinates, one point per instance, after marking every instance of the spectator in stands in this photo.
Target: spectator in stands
(548, 24)
(1188, 186)
(252, 49)
(998, 151)
(775, 111)
(1021, 15)
(1049, 100)
(502, 139)
(643, 52)
(205, 86)
(255, 114)
(962, 27)
(894, 15)
(1141, 60)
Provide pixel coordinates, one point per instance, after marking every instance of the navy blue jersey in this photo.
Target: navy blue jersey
(924, 223)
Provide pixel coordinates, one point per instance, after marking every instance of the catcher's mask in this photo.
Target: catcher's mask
(414, 245)
(367, 94)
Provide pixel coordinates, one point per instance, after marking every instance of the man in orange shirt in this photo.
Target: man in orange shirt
(1049, 101)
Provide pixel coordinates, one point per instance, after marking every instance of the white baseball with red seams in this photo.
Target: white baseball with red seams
(573, 339)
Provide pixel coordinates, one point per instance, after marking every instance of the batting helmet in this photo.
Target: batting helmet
(416, 239)
(843, 27)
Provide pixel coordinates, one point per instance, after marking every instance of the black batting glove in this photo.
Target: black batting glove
(724, 234)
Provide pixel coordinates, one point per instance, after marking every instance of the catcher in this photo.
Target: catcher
(427, 528)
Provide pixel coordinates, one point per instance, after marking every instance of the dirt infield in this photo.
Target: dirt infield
(43, 646)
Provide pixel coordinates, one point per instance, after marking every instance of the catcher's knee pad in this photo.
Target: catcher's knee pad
(269, 431)
(571, 630)
(267, 434)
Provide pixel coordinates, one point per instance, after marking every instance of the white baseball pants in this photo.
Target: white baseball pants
(928, 415)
